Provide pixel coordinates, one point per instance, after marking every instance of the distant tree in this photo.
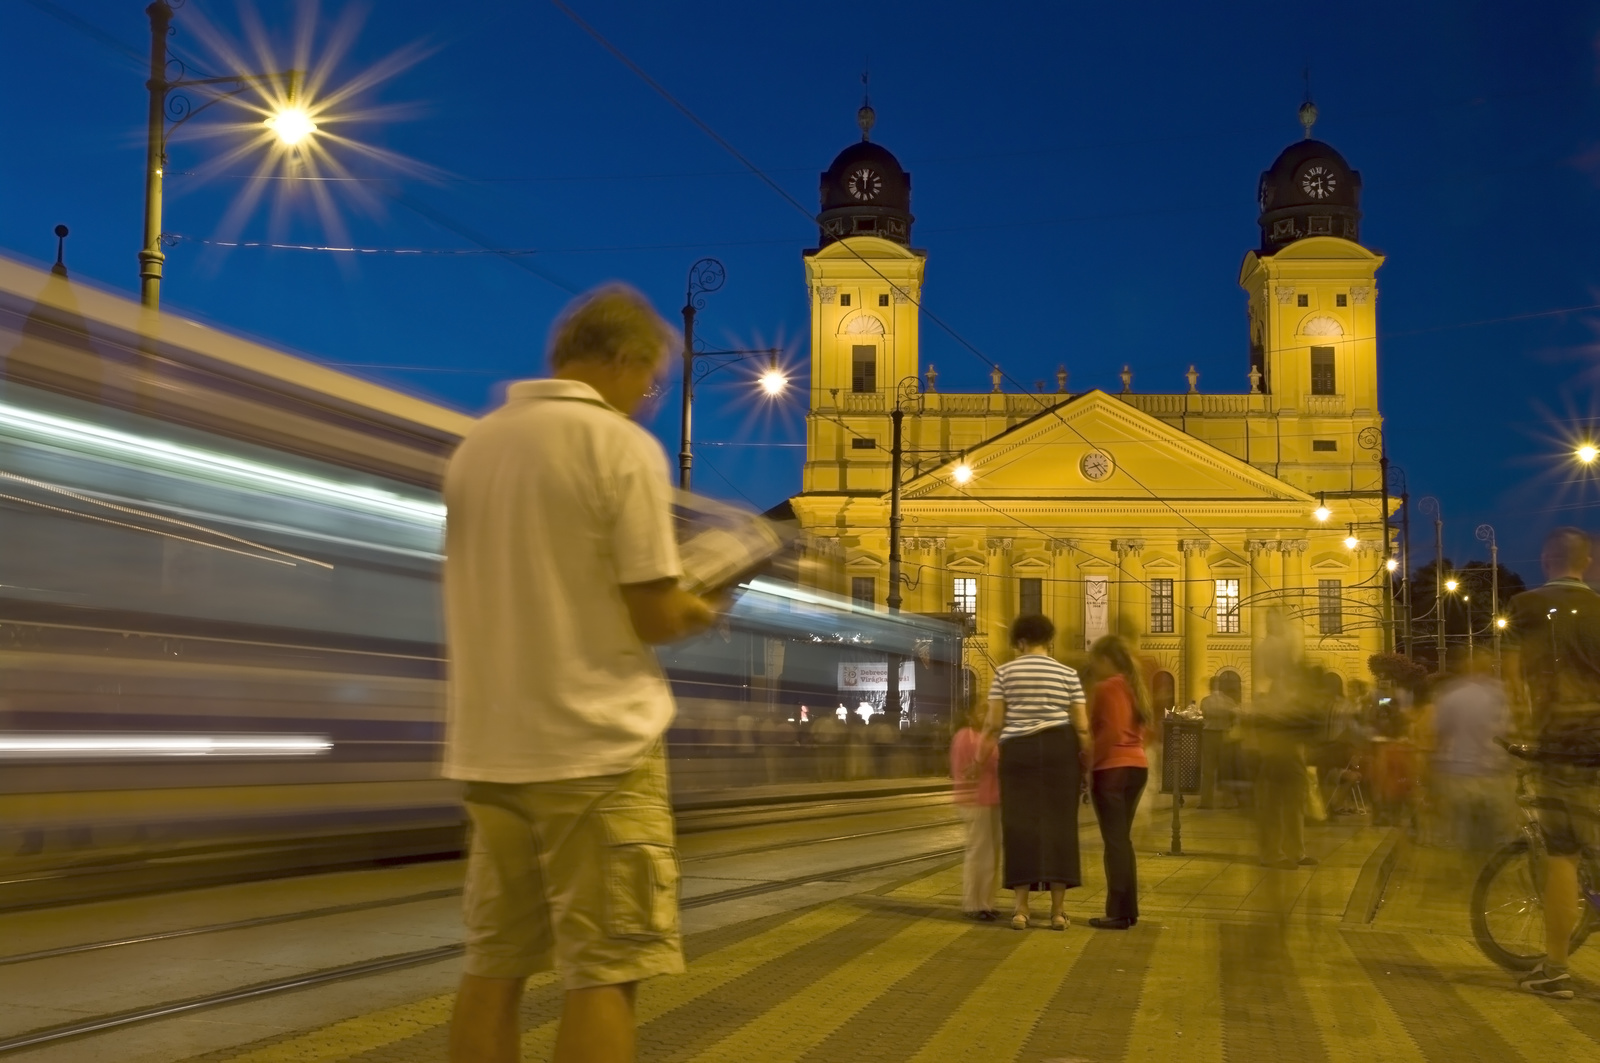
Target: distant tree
(1471, 602)
(1396, 668)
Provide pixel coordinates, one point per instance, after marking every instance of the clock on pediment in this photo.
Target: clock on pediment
(1096, 466)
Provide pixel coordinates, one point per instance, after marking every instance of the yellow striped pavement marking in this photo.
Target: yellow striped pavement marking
(945, 880)
(1355, 1020)
(1535, 1030)
(993, 1023)
(796, 1025)
(1180, 1005)
(364, 1032)
(713, 970)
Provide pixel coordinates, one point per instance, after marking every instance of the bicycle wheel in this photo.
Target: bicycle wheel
(1507, 912)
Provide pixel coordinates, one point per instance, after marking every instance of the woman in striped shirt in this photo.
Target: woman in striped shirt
(1036, 708)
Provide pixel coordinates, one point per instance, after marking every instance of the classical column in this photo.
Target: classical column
(1132, 604)
(1198, 593)
(1261, 556)
(1068, 593)
(1296, 599)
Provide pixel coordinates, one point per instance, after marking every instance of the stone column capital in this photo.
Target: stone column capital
(1260, 546)
(1294, 546)
(1124, 547)
(1194, 547)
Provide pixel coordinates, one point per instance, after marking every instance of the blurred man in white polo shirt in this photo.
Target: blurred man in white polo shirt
(561, 568)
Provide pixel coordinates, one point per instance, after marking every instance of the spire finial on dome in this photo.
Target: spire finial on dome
(866, 117)
(1308, 110)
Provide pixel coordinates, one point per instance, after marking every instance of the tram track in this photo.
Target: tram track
(408, 898)
(401, 961)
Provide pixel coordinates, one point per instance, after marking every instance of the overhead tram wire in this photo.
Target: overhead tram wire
(914, 300)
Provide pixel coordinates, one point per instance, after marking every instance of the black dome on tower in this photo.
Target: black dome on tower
(865, 192)
(1308, 191)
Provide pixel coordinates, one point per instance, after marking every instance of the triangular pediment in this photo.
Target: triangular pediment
(1057, 454)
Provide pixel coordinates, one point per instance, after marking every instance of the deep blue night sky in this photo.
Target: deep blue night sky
(1084, 187)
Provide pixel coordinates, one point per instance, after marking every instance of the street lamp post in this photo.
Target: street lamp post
(907, 392)
(1430, 504)
(1371, 438)
(1485, 534)
(151, 257)
(705, 276)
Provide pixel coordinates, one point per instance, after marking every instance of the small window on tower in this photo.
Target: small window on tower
(1299, 300)
(863, 368)
(1322, 375)
(883, 300)
(1325, 444)
(859, 443)
(844, 299)
(1341, 299)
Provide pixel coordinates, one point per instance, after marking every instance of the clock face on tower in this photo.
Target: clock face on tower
(863, 183)
(1319, 181)
(1096, 465)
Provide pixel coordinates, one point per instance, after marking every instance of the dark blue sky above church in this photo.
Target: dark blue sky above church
(1084, 185)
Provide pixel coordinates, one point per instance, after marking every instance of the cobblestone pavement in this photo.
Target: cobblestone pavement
(898, 975)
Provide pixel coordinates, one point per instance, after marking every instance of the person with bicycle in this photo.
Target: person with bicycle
(1553, 675)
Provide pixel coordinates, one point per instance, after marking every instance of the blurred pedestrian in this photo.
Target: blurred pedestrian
(1119, 718)
(561, 569)
(975, 772)
(1285, 717)
(1219, 712)
(1468, 768)
(1036, 711)
(1554, 672)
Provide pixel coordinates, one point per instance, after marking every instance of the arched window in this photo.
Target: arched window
(1163, 691)
(1229, 683)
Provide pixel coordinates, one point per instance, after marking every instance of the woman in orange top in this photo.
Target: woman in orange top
(1119, 714)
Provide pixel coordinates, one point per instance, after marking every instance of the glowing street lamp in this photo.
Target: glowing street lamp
(774, 381)
(1322, 512)
(1587, 453)
(1391, 564)
(962, 473)
(290, 124)
(1350, 540)
(1451, 585)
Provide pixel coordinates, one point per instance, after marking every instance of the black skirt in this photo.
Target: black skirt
(1039, 781)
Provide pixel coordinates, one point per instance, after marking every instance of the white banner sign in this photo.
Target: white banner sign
(1096, 608)
(874, 675)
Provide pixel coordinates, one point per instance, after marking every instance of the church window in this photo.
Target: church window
(864, 590)
(1320, 226)
(1342, 299)
(1325, 444)
(1302, 300)
(1227, 607)
(1030, 596)
(863, 368)
(1161, 607)
(965, 595)
(866, 225)
(861, 443)
(1330, 607)
(844, 299)
(883, 300)
(1322, 376)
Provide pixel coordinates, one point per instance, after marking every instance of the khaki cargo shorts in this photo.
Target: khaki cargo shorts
(580, 874)
(1568, 806)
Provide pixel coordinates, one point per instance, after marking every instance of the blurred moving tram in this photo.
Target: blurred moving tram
(220, 634)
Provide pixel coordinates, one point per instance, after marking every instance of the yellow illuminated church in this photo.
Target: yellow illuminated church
(1185, 520)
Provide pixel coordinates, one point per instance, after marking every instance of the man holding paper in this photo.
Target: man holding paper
(561, 569)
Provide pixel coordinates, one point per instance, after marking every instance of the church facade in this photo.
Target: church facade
(1187, 521)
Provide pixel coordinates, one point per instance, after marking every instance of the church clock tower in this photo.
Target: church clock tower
(865, 281)
(1311, 285)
